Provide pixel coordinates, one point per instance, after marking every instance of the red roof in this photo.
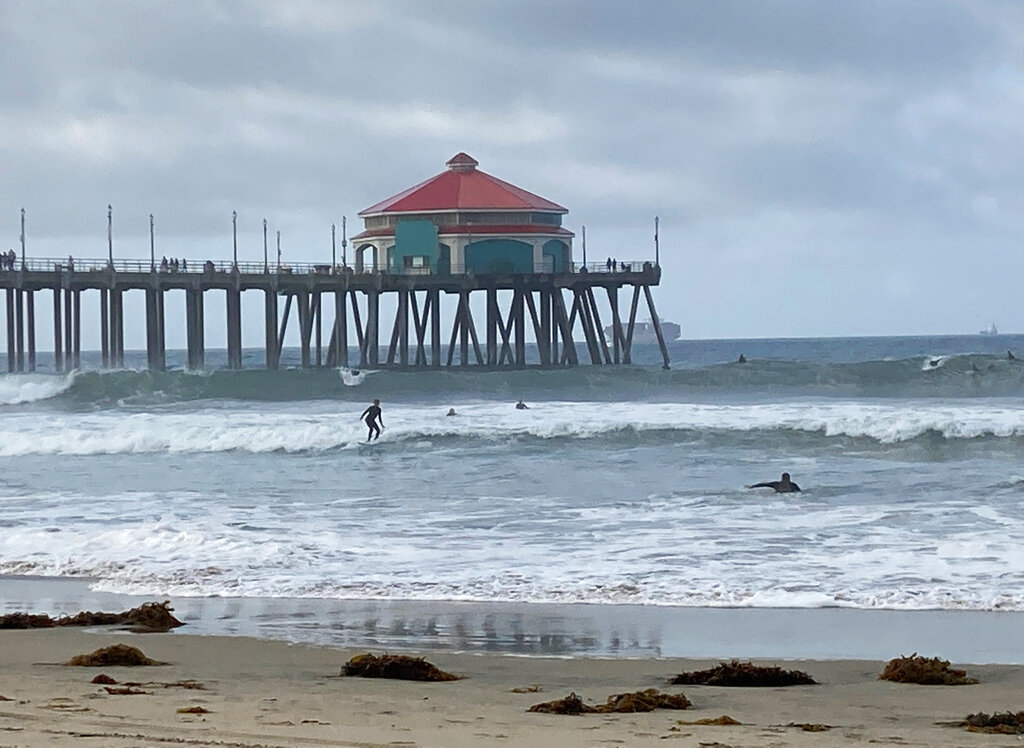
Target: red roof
(462, 187)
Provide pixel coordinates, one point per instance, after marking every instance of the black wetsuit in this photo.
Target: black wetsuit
(371, 415)
(779, 486)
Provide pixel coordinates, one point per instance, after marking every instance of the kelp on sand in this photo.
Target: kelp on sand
(114, 655)
(398, 667)
(147, 618)
(636, 701)
(1000, 723)
(744, 674)
(924, 671)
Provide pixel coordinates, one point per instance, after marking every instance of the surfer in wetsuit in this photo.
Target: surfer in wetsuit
(522, 406)
(781, 486)
(372, 416)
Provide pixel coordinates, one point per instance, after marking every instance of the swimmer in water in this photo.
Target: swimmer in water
(451, 412)
(522, 406)
(781, 486)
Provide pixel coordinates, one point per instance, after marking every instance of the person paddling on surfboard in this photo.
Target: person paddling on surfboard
(372, 416)
(781, 486)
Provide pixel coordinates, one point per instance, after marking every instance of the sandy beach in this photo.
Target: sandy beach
(263, 693)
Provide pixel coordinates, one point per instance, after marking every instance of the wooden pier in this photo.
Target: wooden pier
(550, 308)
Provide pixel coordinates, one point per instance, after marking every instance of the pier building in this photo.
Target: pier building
(461, 221)
(457, 235)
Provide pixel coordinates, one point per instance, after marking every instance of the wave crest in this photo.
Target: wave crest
(17, 389)
(243, 429)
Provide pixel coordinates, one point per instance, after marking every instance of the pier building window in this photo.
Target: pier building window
(549, 219)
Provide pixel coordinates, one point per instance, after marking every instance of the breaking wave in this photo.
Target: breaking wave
(964, 376)
(17, 389)
(479, 423)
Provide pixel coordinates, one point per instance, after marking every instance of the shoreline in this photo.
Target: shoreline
(566, 630)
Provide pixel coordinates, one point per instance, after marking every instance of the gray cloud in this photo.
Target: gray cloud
(846, 151)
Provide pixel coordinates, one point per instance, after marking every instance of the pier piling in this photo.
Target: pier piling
(194, 329)
(155, 350)
(105, 328)
(11, 355)
(270, 323)
(234, 321)
(31, 300)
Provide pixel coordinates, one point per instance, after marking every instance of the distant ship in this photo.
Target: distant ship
(643, 332)
(990, 331)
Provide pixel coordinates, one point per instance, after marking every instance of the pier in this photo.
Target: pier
(337, 310)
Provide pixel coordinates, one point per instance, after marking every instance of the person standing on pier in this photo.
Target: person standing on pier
(374, 420)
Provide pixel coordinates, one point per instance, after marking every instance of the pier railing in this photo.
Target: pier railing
(197, 267)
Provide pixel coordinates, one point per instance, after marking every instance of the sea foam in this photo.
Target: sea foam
(16, 389)
(225, 429)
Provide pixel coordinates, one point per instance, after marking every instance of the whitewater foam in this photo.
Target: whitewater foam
(769, 558)
(226, 429)
(16, 389)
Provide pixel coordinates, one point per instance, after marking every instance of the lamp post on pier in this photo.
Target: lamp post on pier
(334, 258)
(266, 263)
(584, 247)
(152, 246)
(279, 252)
(234, 239)
(23, 239)
(657, 257)
(110, 236)
(344, 243)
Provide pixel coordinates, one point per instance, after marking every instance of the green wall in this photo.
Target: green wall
(493, 256)
(414, 239)
(559, 253)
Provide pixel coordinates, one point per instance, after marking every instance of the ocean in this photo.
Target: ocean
(617, 486)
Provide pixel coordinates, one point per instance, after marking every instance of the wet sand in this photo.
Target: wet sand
(572, 630)
(264, 693)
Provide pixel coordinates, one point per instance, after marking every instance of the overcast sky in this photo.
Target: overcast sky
(837, 167)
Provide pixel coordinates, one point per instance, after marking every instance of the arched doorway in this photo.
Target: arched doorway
(361, 266)
(556, 256)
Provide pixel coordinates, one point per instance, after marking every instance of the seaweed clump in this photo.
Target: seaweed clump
(644, 701)
(1000, 723)
(924, 671)
(637, 701)
(744, 674)
(398, 667)
(571, 704)
(117, 654)
(147, 618)
(25, 621)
